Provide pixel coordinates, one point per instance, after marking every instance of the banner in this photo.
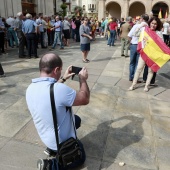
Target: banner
(152, 49)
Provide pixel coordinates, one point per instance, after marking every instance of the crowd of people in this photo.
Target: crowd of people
(27, 33)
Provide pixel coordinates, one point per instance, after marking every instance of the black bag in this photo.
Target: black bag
(69, 151)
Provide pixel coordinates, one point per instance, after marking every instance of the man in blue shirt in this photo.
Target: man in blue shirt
(40, 34)
(30, 29)
(39, 104)
(58, 33)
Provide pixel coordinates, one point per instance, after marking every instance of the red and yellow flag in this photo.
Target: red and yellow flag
(166, 14)
(152, 49)
(160, 13)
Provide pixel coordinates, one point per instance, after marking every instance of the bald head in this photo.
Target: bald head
(48, 62)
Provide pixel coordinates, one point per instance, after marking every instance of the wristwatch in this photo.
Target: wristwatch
(63, 79)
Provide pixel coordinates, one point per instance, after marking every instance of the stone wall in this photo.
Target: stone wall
(10, 7)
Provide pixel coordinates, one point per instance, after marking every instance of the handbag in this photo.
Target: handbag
(69, 151)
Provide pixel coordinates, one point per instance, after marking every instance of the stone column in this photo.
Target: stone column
(17, 7)
(49, 7)
(148, 7)
(125, 9)
(101, 9)
(3, 9)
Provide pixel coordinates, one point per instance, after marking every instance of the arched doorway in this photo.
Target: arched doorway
(113, 10)
(136, 9)
(28, 6)
(156, 8)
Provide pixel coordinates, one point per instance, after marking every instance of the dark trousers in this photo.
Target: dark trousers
(31, 44)
(166, 38)
(1, 70)
(2, 42)
(145, 75)
(22, 43)
(40, 37)
(50, 37)
(77, 35)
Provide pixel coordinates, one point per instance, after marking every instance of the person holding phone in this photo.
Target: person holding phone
(85, 40)
(39, 104)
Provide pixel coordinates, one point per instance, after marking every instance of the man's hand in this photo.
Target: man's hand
(68, 73)
(83, 74)
(90, 37)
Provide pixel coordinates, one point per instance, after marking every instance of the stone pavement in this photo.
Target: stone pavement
(117, 125)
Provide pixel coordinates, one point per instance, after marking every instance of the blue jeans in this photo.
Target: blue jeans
(57, 35)
(112, 37)
(13, 36)
(134, 56)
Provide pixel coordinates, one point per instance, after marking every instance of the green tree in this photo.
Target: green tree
(63, 7)
(78, 11)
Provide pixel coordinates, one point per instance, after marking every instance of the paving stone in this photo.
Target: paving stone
(115, 166)
(106, 89)
(8, 100)
(3, 141)
(94, 139)
(138, 148)
(12, 121)
(29, 134)
(160, 108)
(7, 167)
(99, 110)
(161, 127)
(132, 105)
(164, 95)
(163, 156)
(112, 73)
(20, 155)
(155, 90)
(124, 93)
(92, 78)
(108, 80)
(113, 66)
(76, 85)
(90, 164)
(97, 65)
(96, 72)
(134, 124)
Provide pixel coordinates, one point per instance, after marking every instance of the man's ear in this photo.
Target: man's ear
(56, 70)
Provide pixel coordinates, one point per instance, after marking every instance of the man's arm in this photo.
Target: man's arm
(83, 34)
(83, 95)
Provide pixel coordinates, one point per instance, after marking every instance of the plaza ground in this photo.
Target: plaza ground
(117, 125)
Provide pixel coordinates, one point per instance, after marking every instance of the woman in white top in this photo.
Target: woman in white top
(165, 31)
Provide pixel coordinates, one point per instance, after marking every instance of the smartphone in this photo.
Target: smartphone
(76, 70)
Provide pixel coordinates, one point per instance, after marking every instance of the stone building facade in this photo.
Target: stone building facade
(124, 8)
(96, 8)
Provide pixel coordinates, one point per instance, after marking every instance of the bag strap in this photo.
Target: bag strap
(54, 113)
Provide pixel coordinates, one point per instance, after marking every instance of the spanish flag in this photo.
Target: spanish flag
(166, 14)
(160, 13)
(152, 49)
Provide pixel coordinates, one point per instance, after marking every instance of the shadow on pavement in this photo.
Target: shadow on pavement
(106, 146)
